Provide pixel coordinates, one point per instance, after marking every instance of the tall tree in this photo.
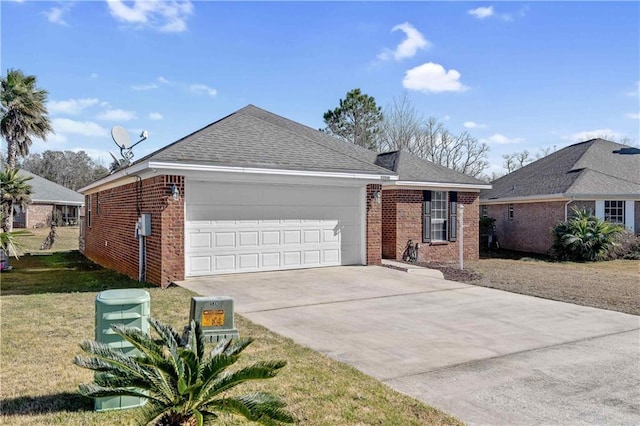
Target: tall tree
(67, 168)
(14, 189)
(356, 120)
(23, 114)
(404, 128)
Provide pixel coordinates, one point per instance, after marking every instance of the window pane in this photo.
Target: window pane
(439, 215)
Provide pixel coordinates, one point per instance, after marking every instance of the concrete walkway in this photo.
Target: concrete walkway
(485, 356)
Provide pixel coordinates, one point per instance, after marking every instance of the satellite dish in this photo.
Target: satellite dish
(120, 137)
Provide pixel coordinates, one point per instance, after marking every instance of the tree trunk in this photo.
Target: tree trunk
(12, 154)
(7, 216)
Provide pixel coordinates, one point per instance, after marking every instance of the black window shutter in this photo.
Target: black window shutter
(453, 215)
(426, 216)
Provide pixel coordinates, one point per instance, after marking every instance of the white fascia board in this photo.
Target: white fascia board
(110, 181)
(604, 196)
(173, 167)
(404, 184)
(59, 202)
(529, 199)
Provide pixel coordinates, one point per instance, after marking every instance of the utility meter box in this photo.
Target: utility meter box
(130, 307)
(144, 225)
(215, 316)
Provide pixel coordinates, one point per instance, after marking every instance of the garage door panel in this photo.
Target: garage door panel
(282, 227)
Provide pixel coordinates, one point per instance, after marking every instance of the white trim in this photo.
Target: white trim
(257, 170)
(432, 185)
(600, 209)
(58, 202)
(167, 167)
(629, 215)
(363, 225)
(558, 197)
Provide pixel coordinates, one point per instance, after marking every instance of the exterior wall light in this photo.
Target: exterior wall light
(377, 196)
(175, 193)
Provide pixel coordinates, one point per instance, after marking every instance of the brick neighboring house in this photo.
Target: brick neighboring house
(254, 191)
(598, 175)
(48, 197)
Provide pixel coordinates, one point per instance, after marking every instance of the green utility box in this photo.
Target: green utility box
(215, 316)
(130, 307)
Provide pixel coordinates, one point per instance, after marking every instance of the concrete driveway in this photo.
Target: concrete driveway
(485, 356)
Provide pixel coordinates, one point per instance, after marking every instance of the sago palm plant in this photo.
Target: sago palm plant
(181, 384)
(584, 237)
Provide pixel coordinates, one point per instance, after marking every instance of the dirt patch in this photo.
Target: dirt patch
(613, 285)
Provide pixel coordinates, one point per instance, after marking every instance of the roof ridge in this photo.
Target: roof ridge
(312, 140)
(604, 174)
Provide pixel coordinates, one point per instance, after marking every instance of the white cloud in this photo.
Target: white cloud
(155, 116)
(55, 15)
(474, 125)
(488, 12)
(409, 46)
(165, 16)
(149, 86)
(86, 128)
(71, 106)
(203, 89)
(499, 139)
(633, 115)
(116, 115)
(163, 80)
(433, 78)
(481, 12)
(593, 134)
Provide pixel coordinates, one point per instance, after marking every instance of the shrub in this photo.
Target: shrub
(181, 384)
(584, 237)
(625, 246)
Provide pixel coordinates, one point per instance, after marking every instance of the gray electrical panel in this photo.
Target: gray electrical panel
(215, 316)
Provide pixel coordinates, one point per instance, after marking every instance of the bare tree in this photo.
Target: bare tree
(405, 129)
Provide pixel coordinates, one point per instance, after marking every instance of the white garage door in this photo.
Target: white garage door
(255, 227)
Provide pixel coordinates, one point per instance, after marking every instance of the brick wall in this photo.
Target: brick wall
(39, 215)
(374, 226)
(110, 240)
(530, 228)
(402, 221)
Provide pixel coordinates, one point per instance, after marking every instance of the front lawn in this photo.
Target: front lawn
(47, 304)
(613, 285)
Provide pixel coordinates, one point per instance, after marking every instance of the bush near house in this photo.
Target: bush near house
(584, 237)
(625, 246)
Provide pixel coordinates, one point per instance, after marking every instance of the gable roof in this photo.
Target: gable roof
(46, 192)
(596, 167)
(252, 137)
(415, 169)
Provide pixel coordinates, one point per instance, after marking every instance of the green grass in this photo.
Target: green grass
(47, 304)
(67, 239)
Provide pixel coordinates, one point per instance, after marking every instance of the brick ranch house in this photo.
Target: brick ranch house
(254, 191)
(48, 198)
(598, 175)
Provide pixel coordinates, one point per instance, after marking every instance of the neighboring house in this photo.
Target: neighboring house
(598, 175)
(257, 192)
(48, 199)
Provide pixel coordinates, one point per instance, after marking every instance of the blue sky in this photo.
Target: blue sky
(516, 75)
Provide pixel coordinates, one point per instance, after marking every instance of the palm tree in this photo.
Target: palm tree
(14, 189)
(181, 384)
(23, 113)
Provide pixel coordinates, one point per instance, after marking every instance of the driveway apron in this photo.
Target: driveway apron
(485, 356)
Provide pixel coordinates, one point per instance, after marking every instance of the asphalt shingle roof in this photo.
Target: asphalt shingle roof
(415, 169)
(45, 191)
(252, 137)
(594, 167)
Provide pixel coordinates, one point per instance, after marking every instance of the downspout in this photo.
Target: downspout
(566, 213)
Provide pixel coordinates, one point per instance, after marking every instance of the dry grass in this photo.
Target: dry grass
(613, 285)
(67, 239)
(47, 307)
